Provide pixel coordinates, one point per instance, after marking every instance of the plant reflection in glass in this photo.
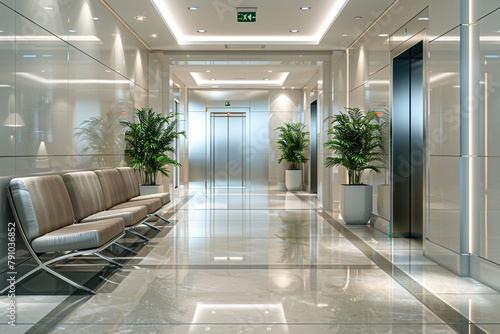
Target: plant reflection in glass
(104, 140)
(294, 232)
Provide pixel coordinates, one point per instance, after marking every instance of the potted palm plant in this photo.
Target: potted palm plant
(148, 140)
(357, 142)
(292, 142)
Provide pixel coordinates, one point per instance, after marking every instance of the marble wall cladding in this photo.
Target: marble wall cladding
(285, 106)
(254, 103)
(65, 84)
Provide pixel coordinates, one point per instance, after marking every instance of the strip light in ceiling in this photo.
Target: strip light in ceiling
(70, 81)
(50, 38)
(170, 20)
(202, 82)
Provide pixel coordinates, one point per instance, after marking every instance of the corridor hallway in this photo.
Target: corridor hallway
(263, 261)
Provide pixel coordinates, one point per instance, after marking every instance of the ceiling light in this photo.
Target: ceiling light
(423, 19)
(2, 31)
(48, 8)
(492, 56)
(95, 18)
(71, 30)
(208, 71)
(192, 8)
(358, 17)
(202, 31)
(153, 35)
(345, 35)
(305, 7)
(266, 79)
(383, 35)
(29, 56)
(140, 17)
(245, 46)
(294, 31)
(200, 81)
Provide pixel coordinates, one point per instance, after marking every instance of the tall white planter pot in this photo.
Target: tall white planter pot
(150, 190)
(355, 203)
(293, 180)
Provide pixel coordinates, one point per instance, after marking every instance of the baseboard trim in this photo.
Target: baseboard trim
(454, 262)
(485, 271)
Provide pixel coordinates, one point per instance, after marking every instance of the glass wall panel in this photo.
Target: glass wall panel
(444, 141)
(487, 231)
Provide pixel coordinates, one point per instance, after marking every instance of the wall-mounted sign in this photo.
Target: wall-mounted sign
(228, 103)
(247, 16)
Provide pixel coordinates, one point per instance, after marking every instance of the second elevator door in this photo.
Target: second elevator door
(227, 142)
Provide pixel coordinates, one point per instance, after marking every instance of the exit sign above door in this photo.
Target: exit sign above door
(247, 16)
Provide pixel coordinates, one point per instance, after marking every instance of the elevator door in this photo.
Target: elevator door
(227, 146)
(408, 143)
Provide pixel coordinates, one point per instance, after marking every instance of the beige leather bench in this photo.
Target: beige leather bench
(115, 195)
(45, 220)
(88, 202)
(133, 194)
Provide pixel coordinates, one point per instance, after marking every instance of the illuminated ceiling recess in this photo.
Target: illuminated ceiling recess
(223, 28)
(200, 81)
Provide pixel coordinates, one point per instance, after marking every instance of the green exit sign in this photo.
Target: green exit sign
(247, 16)
(228, 103)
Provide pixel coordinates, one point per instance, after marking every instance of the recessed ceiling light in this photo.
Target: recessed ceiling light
(423, 19)
(202, 30)
(358, 17)
(294, 31)
(192, 8)
(71, 30)
(153, 35)
(48, 8)
(383, 35)
(208, 71)
(492, 56)
(2, 31)
(46, 55)
(95, 18)
(43, 71)
(305, 7)
(140, 17)
(345, 35)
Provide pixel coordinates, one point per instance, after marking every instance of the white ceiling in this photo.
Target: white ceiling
(328, 25)
(275, 19)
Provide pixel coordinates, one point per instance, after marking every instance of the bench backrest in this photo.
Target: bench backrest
(42, 204)
(129, 179)
(85, 192)
(113, 187)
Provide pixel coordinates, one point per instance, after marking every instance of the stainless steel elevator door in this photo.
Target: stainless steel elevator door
(227, 149)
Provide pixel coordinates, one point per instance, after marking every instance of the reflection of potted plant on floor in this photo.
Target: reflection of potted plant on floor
(357, 142)
(292, 142)
(148, 142)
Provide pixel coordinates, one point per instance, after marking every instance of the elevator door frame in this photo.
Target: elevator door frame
(210, 158)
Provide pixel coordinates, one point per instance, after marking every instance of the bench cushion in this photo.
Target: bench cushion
(112, 187)
(163, 197)
(131, 215)
(129, 179)
(42, 204)
(151, 205)
(79, 236)
(85, 192)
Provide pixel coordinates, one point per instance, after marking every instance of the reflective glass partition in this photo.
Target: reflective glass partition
(443, 226)
(70, 71)
(487, 231)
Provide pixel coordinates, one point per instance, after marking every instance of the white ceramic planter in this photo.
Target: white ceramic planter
(384, 201)
(355, 203)
(293, 180)
(150, 190)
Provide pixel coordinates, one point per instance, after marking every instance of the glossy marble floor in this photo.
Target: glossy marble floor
(260, 261)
